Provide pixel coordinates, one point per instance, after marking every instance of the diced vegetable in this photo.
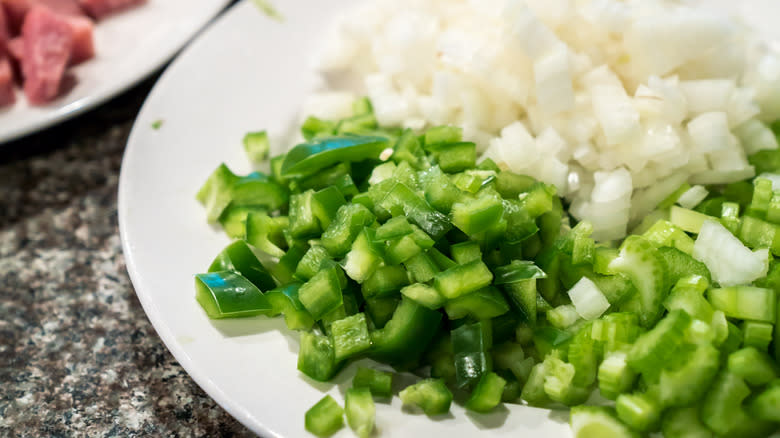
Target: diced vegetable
(597, 422)
(256, 146)
(360, 410)
(325, 418)
(430, 395)
(487, 394)
(729, 261)
(227, 294)
(366, 257)
(378, 382)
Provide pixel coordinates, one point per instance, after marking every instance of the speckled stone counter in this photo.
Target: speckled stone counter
(78, 356)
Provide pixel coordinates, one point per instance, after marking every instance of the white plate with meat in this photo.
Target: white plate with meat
(129, 45)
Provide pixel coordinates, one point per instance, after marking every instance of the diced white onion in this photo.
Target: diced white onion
(710, 131)
(729, 261)
(589, 301)
(667, 91)
(692, 197)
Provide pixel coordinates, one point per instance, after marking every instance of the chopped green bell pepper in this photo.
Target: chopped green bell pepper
(227, 294)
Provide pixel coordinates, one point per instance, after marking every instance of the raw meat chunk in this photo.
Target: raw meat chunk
(48, 42)
(15, 48)
(18, 9)
(101, 8)
(83, 45)
(7, 96)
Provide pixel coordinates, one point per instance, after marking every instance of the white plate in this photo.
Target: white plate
(244, 73)
(129, 46)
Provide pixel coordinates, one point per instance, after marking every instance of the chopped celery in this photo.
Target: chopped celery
(757, 334)
(756, 367)
(766, 405)
(639, 411)
(615, 376)
(684, 423)
(598, 422)
(639, 260)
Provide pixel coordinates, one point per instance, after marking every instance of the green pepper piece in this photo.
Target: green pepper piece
(381, 309)
(462, 279)
(439, 190)
(510, 185)
(227, 294)
(487, 394)
(258, 190)
(316, 357)
(520, 225)
(311, 262)
(314, 127)
(440, 135)
(325, 418)
(238, 256)
(276, 168)
(285, 300)
(476, 215)
(430, 395)
(350, 336)
(325, 204)
(421, 268)
(408, 149)
(283, 271)
(361, 411)
(265, 232)
(471, 344)
(401, 200)
(308, 158)
(341, 233)
(380, 383)
(234, 219)
(394, 228)
(322, 293)
(517, 270)
(384, 281)
(455, 157)
(215, 194)
(485, 303)
(326, 177)
(404, 338)
(256, 146)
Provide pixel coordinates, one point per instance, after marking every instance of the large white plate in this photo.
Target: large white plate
(244, 73)
(129, 47)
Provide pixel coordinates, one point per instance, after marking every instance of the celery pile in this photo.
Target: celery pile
(398, 246)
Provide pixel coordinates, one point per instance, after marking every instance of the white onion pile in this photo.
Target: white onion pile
(617, 103)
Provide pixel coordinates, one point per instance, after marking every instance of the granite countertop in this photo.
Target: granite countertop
(78, 357)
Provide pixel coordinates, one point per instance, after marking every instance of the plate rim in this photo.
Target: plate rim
(70, 110)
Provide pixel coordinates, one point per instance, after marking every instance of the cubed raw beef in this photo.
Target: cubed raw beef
(7, 96)
(15, 48)
(100, 8)
(17, 9)
(48, 42)
(83, 45)
(4, 33)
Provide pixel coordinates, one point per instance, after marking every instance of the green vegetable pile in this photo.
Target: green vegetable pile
(398, 246)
